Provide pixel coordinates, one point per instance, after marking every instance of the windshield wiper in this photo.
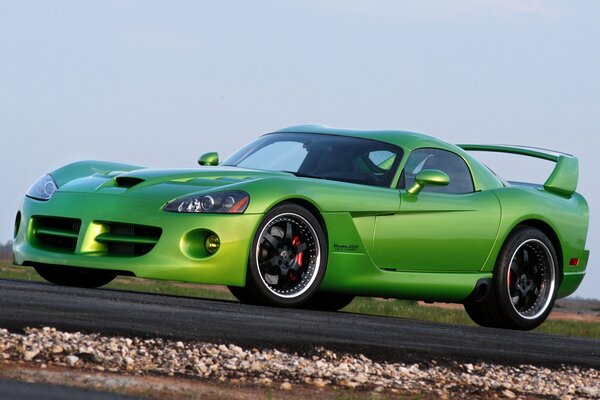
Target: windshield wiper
(304, 175)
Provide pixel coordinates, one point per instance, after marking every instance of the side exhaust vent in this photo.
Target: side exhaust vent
(128, 181)
(480, 292)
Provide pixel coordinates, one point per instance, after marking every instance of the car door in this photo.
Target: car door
(448, 229)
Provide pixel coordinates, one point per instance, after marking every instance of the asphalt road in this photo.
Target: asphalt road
(106, 311)
(10, 389)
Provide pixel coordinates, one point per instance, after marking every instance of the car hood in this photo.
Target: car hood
(165, 184)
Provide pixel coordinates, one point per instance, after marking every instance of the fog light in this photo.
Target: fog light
(212, 244)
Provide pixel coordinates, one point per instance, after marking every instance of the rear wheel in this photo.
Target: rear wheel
(288, 258)
(71, 276)
(479, 314)
(524, 284)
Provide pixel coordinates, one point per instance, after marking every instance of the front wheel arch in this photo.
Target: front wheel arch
(309, 206)
(245, 294)
(276, 256)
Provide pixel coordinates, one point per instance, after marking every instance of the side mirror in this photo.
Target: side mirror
(428, 177)
(211, 159)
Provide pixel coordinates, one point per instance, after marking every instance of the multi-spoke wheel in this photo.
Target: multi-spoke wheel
(288, 257)
(531, 278)
(524, 285)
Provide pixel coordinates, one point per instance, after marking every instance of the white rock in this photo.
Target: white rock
(256, 366)
(319, 383)
(72, 360)
(29, 355)
(343, 367)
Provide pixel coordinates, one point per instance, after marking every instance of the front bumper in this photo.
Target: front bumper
(174, 256)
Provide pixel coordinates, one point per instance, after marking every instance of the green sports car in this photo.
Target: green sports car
(311, 216)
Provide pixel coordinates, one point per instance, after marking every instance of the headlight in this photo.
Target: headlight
(233, 202)
(43, 189)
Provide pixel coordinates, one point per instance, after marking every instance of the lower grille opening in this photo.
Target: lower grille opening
(129, 240)
(128, 249)
(57, 242)
(56, 233)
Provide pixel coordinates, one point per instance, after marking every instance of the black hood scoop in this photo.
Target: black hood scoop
(128, 181)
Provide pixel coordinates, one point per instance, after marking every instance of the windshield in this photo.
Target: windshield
(338, 158)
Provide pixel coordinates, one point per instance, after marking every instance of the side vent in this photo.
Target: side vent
(128, 181)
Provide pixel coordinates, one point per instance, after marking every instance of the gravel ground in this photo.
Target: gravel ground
(272, 368)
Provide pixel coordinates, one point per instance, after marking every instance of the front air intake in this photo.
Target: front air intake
(56, 233)
(128, 240)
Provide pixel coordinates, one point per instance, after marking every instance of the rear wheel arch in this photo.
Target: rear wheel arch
(549, 231)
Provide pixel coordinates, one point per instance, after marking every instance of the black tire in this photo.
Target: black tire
(244, 295)
(288, 258)
(478, 313)
(324, 301)
(524, 285)
(72, 276)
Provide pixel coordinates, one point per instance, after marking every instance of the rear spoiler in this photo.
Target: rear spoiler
(564, 176)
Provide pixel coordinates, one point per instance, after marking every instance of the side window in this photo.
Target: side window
(383, 159)
(446, 161)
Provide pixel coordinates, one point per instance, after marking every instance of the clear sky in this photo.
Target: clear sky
(158, 83)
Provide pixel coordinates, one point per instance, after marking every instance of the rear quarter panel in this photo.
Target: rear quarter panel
(567, 216)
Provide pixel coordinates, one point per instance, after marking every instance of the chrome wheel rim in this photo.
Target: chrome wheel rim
(288, 255)
(531, 279)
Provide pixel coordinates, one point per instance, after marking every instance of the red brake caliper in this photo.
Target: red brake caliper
(296, 242)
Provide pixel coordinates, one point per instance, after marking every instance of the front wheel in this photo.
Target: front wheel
(71, 276)
(288, 257)
(524, 285)
(242, 294)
